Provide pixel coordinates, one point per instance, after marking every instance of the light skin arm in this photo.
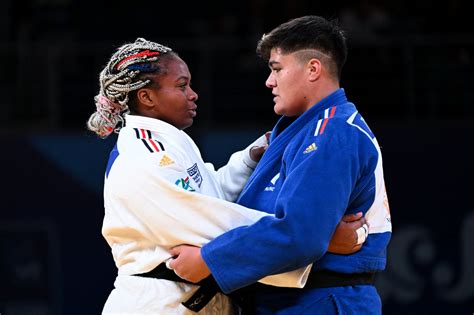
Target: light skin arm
(188, 262)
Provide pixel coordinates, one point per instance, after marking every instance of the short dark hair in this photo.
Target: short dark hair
(307, 32)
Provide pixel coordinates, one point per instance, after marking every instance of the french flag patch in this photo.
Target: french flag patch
(328, 114)
(151, 144)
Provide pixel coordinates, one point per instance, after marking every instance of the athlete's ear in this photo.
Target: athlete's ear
(314, 68)
(145, 96)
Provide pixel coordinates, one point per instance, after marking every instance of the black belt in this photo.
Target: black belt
(208, 287)
(328, 278)
(249, 297)
(316, 279)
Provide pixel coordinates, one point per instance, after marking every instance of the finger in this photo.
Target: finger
(352, 217)
(172, 262)
(178, 274)
(358, 223)
(169, 263)
(175, 251)
(356, 248)
(267, 135)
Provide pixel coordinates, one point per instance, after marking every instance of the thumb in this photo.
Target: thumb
(175, 251)
(267, 135)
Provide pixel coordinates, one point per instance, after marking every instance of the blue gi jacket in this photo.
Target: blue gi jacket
(318, 167)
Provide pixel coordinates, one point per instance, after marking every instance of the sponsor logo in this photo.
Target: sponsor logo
(184, 183)
(166, 160)
(312, 147)
(271, 187)
(195, 174)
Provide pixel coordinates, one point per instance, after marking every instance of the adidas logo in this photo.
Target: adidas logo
(166, 161)
(311, 148)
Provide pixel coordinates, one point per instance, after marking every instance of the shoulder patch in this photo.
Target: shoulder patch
(151, 144)
(321, 125)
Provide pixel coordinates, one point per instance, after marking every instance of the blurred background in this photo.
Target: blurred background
(409, 71)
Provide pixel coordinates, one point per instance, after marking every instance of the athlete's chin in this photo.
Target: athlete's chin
(278, 109)
(186, 124)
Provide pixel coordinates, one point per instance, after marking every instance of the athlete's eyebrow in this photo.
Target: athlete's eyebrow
(272, 62)
(183, 77)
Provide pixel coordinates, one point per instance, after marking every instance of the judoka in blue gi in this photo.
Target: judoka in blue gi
(323, 161)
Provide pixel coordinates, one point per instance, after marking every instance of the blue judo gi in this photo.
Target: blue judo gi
(318, 167)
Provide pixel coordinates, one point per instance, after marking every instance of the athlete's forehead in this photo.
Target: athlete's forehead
(177, 69)
(278, 58)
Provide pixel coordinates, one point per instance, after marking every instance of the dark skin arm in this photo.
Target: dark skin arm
(188, 262)
(344, 239)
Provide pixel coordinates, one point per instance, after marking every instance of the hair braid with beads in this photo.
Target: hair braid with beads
(122, 75)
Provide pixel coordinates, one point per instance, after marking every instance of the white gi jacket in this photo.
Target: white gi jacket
(158, 194)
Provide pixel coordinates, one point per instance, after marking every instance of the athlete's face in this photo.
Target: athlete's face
(286, 79)
(175, 100)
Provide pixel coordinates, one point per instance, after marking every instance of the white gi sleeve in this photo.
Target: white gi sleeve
(233, 176)
(170, 215)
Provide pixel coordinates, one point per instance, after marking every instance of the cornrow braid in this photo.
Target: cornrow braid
(120, 76)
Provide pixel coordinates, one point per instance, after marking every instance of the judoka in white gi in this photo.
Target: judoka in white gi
(158, 192)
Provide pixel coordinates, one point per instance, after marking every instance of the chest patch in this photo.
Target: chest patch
(185, 184)
(195, 174)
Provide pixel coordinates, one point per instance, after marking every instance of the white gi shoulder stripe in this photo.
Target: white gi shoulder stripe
(350, 121)
(151, 144)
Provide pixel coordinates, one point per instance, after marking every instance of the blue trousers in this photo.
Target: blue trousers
(357, 300)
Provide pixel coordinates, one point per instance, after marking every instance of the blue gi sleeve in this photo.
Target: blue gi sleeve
(312, 200)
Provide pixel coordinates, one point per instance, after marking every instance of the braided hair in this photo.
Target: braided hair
(128, 70)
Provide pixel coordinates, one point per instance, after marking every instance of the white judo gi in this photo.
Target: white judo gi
(158, 194)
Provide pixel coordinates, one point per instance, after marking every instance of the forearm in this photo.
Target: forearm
(247, 254)
(234, 175)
